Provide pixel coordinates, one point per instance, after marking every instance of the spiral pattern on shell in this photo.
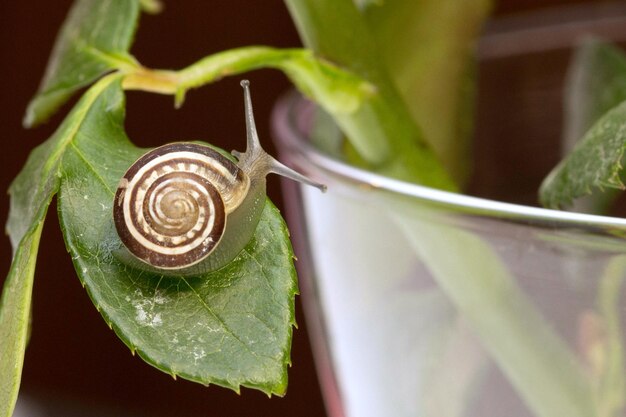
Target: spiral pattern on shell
(172, 203)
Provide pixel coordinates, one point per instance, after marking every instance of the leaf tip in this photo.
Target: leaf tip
(179, 98)
(30, 119)
(152, 6)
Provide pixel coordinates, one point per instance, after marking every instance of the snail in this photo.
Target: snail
(186, 209)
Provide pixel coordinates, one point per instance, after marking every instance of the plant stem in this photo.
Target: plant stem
(337, 90)
(383, 118)
(377, 122)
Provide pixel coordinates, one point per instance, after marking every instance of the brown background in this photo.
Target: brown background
(73, 356)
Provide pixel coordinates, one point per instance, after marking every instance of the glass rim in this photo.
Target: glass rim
(558, 26)
(600, 19)
(294, 144)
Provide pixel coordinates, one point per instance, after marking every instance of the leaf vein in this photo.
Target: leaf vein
(91, 168)
(218, 318)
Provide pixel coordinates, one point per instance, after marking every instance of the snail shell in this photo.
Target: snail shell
(186, 209)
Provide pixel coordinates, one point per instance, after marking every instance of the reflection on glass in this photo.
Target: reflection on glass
(425, 303)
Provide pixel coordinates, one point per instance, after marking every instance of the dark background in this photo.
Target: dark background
(73, 356)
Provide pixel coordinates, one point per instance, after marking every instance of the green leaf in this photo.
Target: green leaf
(595, 163)
(232, 327)
(31, 193)
(382, 131)
(428, 48)
(94, 40)
(14, 318)
(596, 83)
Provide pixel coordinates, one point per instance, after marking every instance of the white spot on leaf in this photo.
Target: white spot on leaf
(144, 309)
(198, 353)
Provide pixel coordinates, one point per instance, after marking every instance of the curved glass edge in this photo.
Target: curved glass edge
(552, 28)
(296, 148)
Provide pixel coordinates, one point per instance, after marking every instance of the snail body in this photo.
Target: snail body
(186, 209)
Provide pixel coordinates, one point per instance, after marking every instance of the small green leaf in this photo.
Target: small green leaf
(594, 164)
(231, 327)
(94, 39)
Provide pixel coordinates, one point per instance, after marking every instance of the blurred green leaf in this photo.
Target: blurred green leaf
(595, 163)
(428, 48)
(596, 83)
(382, 131)
(94, 40)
